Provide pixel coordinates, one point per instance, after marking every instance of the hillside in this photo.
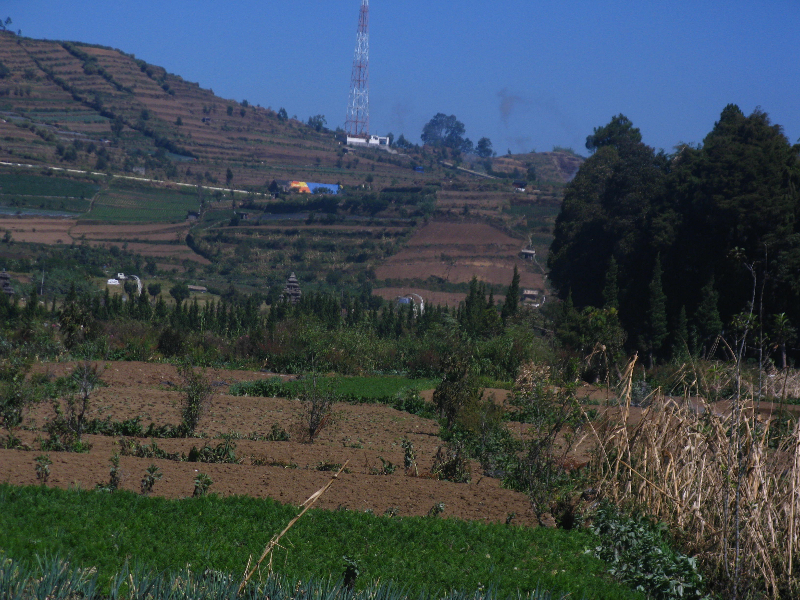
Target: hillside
(110, 136)
(92, 107)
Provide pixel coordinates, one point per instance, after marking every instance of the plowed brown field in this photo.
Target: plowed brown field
(286, 471)
(456, 251)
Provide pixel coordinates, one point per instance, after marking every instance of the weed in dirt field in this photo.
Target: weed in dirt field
(317, 412)
(43, 463)
(151, 475)
(198, 392)
(114, 476)
(202, 483)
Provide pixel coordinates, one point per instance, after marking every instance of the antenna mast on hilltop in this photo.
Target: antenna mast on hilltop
(357, 121)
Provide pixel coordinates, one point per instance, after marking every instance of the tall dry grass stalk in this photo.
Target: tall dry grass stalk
(728, 488)
(275, 541)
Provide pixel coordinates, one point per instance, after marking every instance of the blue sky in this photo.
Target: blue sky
(527, 74)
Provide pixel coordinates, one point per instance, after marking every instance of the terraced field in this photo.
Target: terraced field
(131, 203)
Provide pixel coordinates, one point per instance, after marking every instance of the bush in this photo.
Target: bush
(198, 393)
(551, 407)
(637, 550)
(317, 412)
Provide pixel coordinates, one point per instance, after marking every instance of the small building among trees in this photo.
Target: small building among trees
(292, 293)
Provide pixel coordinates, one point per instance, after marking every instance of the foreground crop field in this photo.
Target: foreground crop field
(420, 556)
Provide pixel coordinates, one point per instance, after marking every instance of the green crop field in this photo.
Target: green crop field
(40, 185)
(423, 555)
(357, 390)
(398, 392)
(130, 202)
(45, 203)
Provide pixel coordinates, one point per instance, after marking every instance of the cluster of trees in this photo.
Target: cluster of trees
(676, 249)
(348, 333)
(446, 131)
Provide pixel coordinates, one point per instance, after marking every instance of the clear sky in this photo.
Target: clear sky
(527, 74)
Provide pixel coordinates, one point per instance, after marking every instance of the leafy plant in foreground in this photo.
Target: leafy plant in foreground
(114, 476)
(202, 483)
(421, 554)
(198, 393)
(43, 463)
(638, 553)
(151, 475)
(56, 579)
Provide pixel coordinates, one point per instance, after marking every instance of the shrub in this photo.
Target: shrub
(555, 415)
(114, 476)
(638, 552)
(151, 475)
(197, 396)
(202, 483)
(451, 464)
(317, 412)
(43, 463)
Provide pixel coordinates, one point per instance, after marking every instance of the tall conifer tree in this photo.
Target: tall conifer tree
(657, 315)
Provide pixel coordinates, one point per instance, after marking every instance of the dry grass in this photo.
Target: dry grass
(726, 482)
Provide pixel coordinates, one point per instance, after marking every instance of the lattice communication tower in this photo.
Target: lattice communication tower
(357, 121)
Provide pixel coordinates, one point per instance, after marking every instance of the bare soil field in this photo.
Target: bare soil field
(38, 230)
(287, 471)
(153, 232)
(455, 251)
(55, 231)
(161, 251)
(431, 298)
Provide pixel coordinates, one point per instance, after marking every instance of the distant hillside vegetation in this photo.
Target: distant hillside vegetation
(72, 104)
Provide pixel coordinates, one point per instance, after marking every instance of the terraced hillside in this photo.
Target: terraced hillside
(92, 107)
(129, 154)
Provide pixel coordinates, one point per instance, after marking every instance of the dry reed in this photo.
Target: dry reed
(274, 542)
(716, 475)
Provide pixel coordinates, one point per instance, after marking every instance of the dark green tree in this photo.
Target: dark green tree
(680, 337)
(180, 292)
(317, 122)
(444, 131)
(615, 206)
(740, 190)
(484, 148)
(618, 130)
(657, 314)
(782, 333)
(707, 322)
(611, 289)
(511, 304)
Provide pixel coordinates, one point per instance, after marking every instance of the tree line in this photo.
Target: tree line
(664, 253)
(349, 332)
